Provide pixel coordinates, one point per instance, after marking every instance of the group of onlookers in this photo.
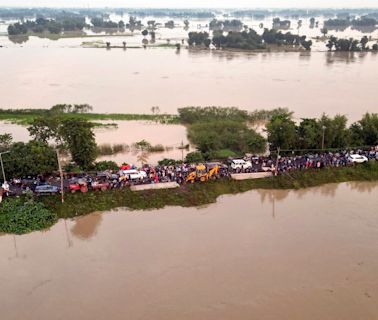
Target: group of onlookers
(179, 172)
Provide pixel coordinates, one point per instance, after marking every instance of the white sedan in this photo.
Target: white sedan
(134, 174)
(239, 164)
(357, 158)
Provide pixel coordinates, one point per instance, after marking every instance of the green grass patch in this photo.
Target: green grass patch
(27, 116)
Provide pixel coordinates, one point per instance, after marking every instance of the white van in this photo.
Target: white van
(134, 174)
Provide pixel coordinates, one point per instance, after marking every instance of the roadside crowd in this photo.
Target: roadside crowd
(314, 160)
(130, 174)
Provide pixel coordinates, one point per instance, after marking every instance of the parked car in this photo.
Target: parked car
(240, 164)
(78, 185)
(46, 189)
(100, 185)
(103, 175)
(357, 158)
(134, 174)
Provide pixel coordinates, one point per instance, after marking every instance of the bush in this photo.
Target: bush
(225, 134)
(169, 162)
(106, 165)
(72, 167)
(190, 115)
(156, 148)
(107, 149)
(142, 145)
(120, 147)
(194, 157)
(21, 217)
(104, 150)
(221, 154)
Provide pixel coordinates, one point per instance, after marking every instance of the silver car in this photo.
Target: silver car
(46, 189)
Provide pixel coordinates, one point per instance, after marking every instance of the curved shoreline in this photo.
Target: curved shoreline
(203, 193)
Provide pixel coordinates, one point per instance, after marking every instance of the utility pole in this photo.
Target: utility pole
(278, 157)
(323, 127)
(2, 165)
(182, 151)
(61, 175)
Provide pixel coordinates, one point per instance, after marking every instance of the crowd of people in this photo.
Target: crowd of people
(311, 160)
(130, 175)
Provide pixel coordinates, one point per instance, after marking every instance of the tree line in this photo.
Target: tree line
(68, 22)
(364, 21)
(225, 25)
(248, 39)
(222, 132)
(323, 133)
(217, 133)
(351, 44)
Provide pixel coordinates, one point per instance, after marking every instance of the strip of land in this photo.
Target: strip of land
(190, 195)
(27, 116)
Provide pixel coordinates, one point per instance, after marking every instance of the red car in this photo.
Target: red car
(79, 185)
(100, 185)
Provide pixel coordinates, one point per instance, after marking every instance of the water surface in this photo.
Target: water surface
(308, 254)
(135, 80)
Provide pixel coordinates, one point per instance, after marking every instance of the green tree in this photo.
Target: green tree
(254, 142)
(30, 159)
(198, 38)
(46, 128)
(281, 131)
(324, 31)
(309, 134)
(5, 141)
(194, 157)
(365, 131)
(80, 140)
(336, 134)
(364, 41)
(143, 145)
(106, 165)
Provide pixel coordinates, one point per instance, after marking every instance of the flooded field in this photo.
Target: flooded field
(129, 132)
(180, 32)
(134, 80)
(308, 254)
(126, 132)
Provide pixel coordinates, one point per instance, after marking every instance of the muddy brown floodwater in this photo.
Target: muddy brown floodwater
(134, 80)
(308, 254)
(171, 137)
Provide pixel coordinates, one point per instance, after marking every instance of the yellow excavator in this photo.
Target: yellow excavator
(203, 173)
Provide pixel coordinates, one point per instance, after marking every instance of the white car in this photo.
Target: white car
(357, 158)
(239, 164)
(134, 174)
